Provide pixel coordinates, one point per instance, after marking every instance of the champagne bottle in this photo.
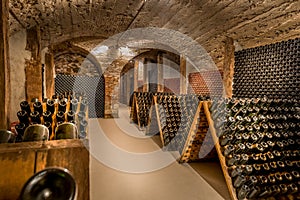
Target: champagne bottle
(20, 128)
(60, 116)
(62, 105)
(243, 191)
(74, 105)
(254, 192)
(50, 106)
(23, 117)
(239, 181)
(25, 107)
(83, 105)
(37, 106)
(47, 116)
(35, 117)
(70, 116)
(49, 126)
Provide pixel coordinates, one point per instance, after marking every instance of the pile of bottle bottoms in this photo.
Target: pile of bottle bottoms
(64, 116)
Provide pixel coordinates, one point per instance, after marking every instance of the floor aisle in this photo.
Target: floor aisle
(120, 153)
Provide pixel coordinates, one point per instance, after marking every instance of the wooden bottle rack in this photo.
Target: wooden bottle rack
(190, 140)
(232, 190)
(136, 109)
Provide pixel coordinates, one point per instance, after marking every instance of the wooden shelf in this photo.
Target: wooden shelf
(19, 161)
(231, 189)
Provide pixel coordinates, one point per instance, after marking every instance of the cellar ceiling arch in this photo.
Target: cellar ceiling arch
(249, 23)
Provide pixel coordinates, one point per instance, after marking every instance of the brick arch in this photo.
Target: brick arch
(78, 70)
(73, 60)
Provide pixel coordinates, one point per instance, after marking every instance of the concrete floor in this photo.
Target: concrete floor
(126, 164)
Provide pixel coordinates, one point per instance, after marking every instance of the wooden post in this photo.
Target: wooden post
(228, 66)
(183, 75)
(49, 72)
(145, 76)
(33, 69)
(4, 66)
(160, 73)
(135, 75)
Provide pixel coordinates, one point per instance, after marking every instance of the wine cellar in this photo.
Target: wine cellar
(149, 99)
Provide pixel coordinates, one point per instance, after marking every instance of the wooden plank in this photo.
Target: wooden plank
(76, 160)
(148, 128)
(228, 66)
(192, 133)
(11, 147)
(40, 160)
(4, 66)
(15, 169)
(183, 88)
(20, 161)
(231, 189)
(158, 121)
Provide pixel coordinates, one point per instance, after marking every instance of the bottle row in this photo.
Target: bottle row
(68, 107)
(271, 70)
(259, 139)
(279, 46)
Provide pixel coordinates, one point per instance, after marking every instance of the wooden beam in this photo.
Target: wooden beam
(135, 75)
(160, 73)
(4, 66)
(49, 74)
(183, 89)
(228, 66)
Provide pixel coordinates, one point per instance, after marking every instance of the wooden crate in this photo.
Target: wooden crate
(19, 161)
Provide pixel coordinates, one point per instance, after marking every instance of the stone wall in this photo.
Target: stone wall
(18, 54)
(75, 64)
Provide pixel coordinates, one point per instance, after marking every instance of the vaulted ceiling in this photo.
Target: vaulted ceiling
(249, 22)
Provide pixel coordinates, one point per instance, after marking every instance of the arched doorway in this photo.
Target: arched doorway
(78, 71)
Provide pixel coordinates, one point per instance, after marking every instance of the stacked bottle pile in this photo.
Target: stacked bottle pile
(272, 70)
(170, 115)
(153, 127)
(259, 139)
(207, 83)
(186, 106)
(66, 107)
(202, 145)
(143, 102)
(182, 126)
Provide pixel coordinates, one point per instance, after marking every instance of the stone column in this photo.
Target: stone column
(145, 76)
(228, 66)
(135, 75)
(49, 74)
(182, 66)
(33, 68)
(4, 66)
(160, 73)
